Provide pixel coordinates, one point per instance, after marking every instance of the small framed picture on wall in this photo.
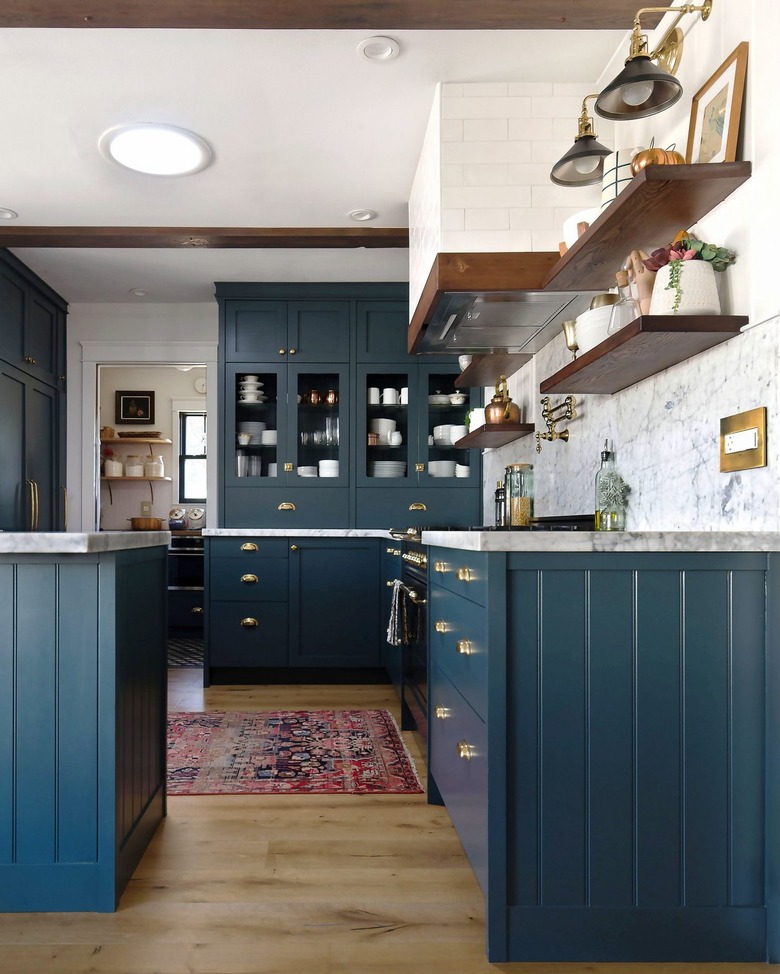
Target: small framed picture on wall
(716, 109)
(134, 407)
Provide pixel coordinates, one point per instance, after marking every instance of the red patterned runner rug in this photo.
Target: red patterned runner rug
(359, 752)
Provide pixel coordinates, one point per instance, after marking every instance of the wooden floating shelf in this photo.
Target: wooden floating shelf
(486, 369)
(136, 480)
(136, 439)
(643, 348)
(493, 435)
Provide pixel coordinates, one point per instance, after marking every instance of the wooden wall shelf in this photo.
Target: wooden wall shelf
(643, 348)
(486, 369)
(493, 435)
(129, 440)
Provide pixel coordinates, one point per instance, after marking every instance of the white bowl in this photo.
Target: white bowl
(269, 437)
(457, 399)
(464, 361)
(457, 433)
(591, 327)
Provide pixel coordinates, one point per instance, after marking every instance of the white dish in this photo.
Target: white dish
(439, 400)
(591, 327)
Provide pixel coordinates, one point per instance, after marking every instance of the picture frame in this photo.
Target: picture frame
(716, 109)
(135, 408)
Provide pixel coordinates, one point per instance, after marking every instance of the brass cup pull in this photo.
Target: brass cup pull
(441, 713)
(293, 547)
(286, 506)
(196, 610)
(417, 506)
(249, 623)
(463, 646)
(249, 546)
(250, 579)
(464, 575)
(440, 625)
(464, 750)
(440, 566)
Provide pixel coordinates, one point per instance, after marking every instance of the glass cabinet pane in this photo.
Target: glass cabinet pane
(257, 396)
(446, 408)
(321, 432)
(390, 430)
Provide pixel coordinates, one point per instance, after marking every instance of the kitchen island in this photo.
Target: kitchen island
(604, 734)
(82, 714)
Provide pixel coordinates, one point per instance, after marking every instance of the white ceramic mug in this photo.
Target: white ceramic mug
(404, 396)
(394, 438)
(373, 395)
(390, 397)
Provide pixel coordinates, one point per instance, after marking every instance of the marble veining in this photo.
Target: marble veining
(295, 533)
(552, 541)
(64, 543)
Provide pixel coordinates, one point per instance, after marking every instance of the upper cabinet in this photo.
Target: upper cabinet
(287, 331)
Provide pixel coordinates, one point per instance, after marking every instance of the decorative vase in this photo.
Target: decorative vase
(694, 293)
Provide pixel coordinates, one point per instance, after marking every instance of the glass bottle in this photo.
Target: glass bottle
(519, 490)
(154, 466)
(611, 494)
(626, 309)
(500, 496)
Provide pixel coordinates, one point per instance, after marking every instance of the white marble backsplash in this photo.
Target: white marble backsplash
(665, 432)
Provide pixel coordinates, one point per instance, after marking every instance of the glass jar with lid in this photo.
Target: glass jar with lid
(519, 494)
(134, 466)
(154, 466)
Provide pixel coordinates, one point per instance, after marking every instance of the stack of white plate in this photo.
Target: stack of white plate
(383, 427)
(255, 431)
(307, 471)
(250, 389)
(386, 468)
(441, 435)
(441, 468)
(328, 468)
(269, 437)
(272, 469)
(462, 470)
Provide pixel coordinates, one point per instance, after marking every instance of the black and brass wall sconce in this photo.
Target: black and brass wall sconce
(643, 88)
(583, 164)
(552, 415)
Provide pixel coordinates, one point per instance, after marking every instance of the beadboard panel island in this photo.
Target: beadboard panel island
(82, 715)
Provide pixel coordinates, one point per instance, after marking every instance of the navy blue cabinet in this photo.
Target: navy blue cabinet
(286, 331)
(622, 817)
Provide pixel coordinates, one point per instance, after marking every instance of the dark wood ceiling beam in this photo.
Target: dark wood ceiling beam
(261, 238)
(372, 15)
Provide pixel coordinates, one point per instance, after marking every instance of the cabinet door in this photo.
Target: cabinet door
(255, 331)
(41, 344)
(334, 602)
(255, 406)
(318, 431)
(42, 446)
(318, 331)
(384, 463)
(381, 328)
(15, 506)
(442, 464)
(13, 313)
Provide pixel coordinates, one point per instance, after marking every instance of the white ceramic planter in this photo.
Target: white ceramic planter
(698, 290)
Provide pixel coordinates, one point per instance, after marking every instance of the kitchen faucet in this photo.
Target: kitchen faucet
(555, 414)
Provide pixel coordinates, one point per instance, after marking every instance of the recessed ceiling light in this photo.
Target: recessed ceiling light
(379, 48)
(6, 214)
(138, 292)
(362, 215)
(159, 150)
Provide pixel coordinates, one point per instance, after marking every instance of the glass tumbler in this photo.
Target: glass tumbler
(519, 494)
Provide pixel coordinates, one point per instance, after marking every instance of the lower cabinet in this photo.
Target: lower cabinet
(291, 602)
(391, 570)
(620, 699)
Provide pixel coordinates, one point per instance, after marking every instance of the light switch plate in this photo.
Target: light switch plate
(146, 508)
(743, 440)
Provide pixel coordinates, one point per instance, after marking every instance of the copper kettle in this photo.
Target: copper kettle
(501, 409)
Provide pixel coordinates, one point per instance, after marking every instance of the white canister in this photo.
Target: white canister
(134, 467)
(112, 468)
(154, 467)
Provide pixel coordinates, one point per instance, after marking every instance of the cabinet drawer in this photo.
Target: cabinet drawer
(242, 547)
(464, 572)
(234, 644)
(185, 609)
(458, 755)
(238, 580)
(458, 644)
(312, 507)
(401, 504)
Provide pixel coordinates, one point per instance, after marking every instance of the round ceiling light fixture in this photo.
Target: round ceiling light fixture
(379, 48)
(7, 214)
(361, 216)
(156, 149)
(138, 292)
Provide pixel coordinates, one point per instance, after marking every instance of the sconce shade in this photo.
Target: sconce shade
(582, 165)
(641, 89)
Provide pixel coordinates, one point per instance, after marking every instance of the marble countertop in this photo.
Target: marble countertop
(66, 543)
(553, 541)
(295, 533)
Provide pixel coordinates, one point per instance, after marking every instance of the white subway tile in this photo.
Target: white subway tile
(573, 89)
(528, 175)
(557, 108)
(529, 129)
(452, 130)
(486, 108)
(486, 175)
(485, 153)
(532, 218)
(452, 175)
(451, 89)
(453, 220)
(484, 129)
(483, 197)
(546, 239)
(492, 219)
(485, 241)
(536, 89)
(578, 198)
(548, 153)
(485, 89)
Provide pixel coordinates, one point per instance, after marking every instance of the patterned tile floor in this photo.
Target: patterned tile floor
(185, 651)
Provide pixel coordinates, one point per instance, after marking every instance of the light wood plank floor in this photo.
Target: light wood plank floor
(281, 884)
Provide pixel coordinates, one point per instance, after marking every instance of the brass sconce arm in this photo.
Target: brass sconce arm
(585, 122)
(552, 415)
(668, 43)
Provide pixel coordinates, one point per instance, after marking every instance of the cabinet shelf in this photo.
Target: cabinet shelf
(137, 480)
(493, 435)
(644, 347)
(135, 439)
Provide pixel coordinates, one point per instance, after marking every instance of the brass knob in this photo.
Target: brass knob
(30, 360)
(250, 579)
(464, 575)
(288, 467)
(441, 713)
(249, 546)
(464, 750)
(286, 506)
(440, 625)
(60, 378)
(293, 351)
(463, 646)
(293, 547)
(440, 566)
(420, 468)
(282, 351)
(417, 506)
(196, 610)
(390, 583)
(249, 623)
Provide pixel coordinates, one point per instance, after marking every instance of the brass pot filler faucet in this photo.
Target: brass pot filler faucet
(553, 415)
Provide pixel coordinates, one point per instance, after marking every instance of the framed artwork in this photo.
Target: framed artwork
(134, 407)
(715, 112)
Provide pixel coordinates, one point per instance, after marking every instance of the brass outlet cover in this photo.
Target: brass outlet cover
(745, 459)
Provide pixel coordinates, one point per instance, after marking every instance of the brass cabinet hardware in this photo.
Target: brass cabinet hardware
(390, 582)
(249, 623)
(463, 646)
(250, 579)
(441, 713)
(440, 625)
(440, 566)
(282, 351)
(196, 610)
(249, 546)
(414, 596)
(65, 504)
(417, 506)
(293, 351)
(464, 750)
(419, 468)
(286, 506)
(393, 551)
(32, 504)
(293, 547)
(30, 360)
(464, 575)
(288, 468)
(60, 378)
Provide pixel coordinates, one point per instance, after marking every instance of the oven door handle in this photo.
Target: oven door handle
(410, 593)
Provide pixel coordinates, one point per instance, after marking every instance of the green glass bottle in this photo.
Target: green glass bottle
(611, 494)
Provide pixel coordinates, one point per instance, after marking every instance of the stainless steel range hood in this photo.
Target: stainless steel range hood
(485, 303)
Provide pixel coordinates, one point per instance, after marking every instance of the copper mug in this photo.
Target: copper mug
(314, 397)
(331, 397)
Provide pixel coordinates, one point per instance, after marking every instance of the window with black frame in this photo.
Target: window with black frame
(192, 457)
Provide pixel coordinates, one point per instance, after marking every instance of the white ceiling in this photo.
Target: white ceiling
(303, 130)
